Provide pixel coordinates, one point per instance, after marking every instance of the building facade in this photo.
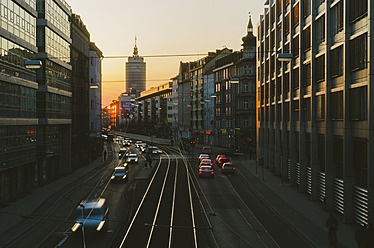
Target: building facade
(184, 101)
(54, 95)
(135, 73)
(315, 112)
(18, 92)
(80, 90)
(95, 85)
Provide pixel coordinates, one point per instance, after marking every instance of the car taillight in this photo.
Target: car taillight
(212, 172)
(211, 164)
(223, 167)
(233, 168)
(210, 150)
(200, 172)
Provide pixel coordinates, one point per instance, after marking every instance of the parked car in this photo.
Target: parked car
(92, 213)
(206, 171)
(206, 149)
(119, 174)
(132, 158)
(228, 168)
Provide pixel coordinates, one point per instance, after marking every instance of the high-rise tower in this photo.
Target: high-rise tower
(135, 72)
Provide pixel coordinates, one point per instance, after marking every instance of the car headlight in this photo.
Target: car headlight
(124, 177)
(128, 160)
(113, 177)
(136, 160)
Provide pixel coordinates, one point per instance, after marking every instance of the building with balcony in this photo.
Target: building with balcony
(18, 94)
(315, 114)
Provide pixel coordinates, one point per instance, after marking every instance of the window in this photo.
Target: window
(287, 24)
(357, 10)
(245, 104)
(307, 74)
(320, 29)
(287, 111)
(286, 82)
(319, 2)
(296, 108)
(358, 53)
(336, 62)
(272, 14)
(295, 47)
(338, 156)
(337, 18)
(272, 89)
(321, 152)
(360, 158)
(306, 109)
(336, 106)
(279, 9)
(296, 81)
(286, 2)
(296, 15)
(306, 39)
(320, 102)
(358, 104)
(245, 87)
(306, 8)
(320, 68)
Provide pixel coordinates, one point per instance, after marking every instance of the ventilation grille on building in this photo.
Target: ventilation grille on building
(281, 164)
(322, 186)
(360, 205)
(339, 195)
(298, 173)
(289, 169)
(309, 180)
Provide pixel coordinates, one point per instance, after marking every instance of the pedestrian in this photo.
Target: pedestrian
(104, 156)
(149, 160)
(332, 225)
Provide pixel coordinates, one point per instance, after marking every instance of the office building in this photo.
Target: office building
(54, 94)
(315, 109)
(135, 73)
(18, 93)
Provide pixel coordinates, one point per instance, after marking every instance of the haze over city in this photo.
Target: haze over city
(162, 27)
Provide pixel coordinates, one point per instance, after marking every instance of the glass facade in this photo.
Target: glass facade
(55, 15)
(18, 21)
(17, 101)
(55, 75)
(53, 44)
(13, 53)
(53, 106)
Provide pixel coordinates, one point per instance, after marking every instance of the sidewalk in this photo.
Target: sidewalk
(306, 217)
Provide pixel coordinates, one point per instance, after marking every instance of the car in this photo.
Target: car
(138, 143)
(122, 153)
(222, 160)
(228, 168)
(203, 156)
(220, 156)
(127, 142)
(206, 171)
(155, 150)
(206, 149)
(206, 162)
(119, 174)
(132, 158)
(92, 215)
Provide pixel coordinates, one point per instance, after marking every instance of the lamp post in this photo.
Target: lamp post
(83, 210)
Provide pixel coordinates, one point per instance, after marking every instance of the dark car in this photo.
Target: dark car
(228, 168)
(122, 153)
(222, 160)
(207, 150)
(92, 213)
(119, 174)
(206, 171)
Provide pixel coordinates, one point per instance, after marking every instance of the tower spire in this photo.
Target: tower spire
(136, 53)
(250, 26)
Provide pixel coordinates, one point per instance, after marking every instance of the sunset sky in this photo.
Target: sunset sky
(162, 27)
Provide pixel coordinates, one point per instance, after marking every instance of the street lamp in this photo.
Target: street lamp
(33, 64)
(284, 57)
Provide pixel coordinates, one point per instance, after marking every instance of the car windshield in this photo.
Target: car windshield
(120, 171)
(133, 156)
